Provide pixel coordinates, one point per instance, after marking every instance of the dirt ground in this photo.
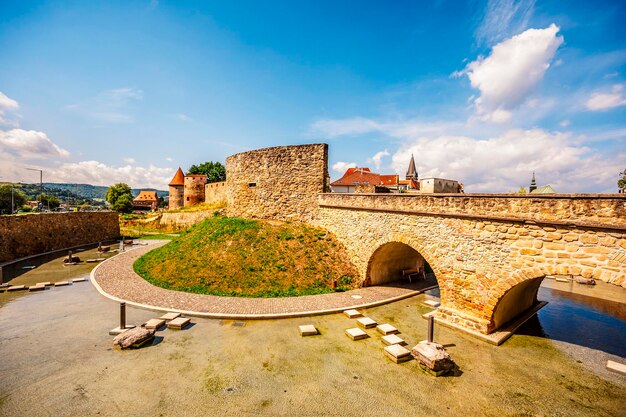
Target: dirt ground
(58, 360)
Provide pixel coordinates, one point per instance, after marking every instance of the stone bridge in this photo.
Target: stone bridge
(489, 252)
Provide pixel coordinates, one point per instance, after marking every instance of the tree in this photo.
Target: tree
(124, 204)
(19, 199)
(50, 201)
(214, 171)
(621, 183)
(122, 192)
(522, 190)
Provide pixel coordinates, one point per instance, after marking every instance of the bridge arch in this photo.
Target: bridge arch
(390, 258)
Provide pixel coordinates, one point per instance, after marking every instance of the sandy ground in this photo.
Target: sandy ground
(58, 360)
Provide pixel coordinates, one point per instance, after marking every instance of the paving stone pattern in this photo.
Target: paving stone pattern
(117, 278)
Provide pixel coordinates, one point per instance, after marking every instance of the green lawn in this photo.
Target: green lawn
(248, 258)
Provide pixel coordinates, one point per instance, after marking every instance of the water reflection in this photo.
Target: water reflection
(580, 320)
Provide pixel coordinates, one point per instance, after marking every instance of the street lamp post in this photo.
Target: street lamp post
(40, 184)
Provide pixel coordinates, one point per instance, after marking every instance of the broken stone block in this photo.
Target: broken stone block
(352, 314)
(307, 330)
(398, 353)
(432, 303)
(169, 316)
(45, 284)
(91, 261)
(433, 357)
(366, 323)
(16, 288)
(178, 323)
(393, 339)
(586, 281)
(37, 287)
(79, 280)
(5, 285)
(154, 324)
(386, 329)
(562, 280)
(61, 283)
(135, 337)
(356, 334)
(71, 259)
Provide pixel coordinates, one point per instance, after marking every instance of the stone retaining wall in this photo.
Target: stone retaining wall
(215, 192)
(184, 220)
(31, 234)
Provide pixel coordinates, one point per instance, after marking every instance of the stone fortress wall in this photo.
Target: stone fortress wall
(31, 234)
(176, 199)
(215, 192)
(194, 189)
(277, 183)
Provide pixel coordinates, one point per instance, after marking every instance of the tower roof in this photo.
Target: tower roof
(179, 178)
(411, 173)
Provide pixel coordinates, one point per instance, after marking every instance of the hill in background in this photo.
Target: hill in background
(95, 191)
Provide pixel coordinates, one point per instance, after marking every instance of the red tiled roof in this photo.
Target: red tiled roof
(147, 196)
(360, 176)
(179, 178)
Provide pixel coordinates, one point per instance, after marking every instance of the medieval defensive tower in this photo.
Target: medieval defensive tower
(177, 189)
(194, 189)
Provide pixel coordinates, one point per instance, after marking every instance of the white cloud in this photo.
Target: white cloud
(341, 167)
(503, 18)
(605, 101)
(29, 145)
(377, 158)
(98, 173)
(565, 123)
(7, 105)
(169, 159)
(505, 162)
(130, 161)
(512, 71)
(182, 117)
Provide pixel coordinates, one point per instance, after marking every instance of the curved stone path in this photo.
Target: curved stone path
(115, 279)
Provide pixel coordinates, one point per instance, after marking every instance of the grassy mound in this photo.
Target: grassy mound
(248, 258)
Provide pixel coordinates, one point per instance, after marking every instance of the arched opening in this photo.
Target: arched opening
(516, 301)
(396, 262)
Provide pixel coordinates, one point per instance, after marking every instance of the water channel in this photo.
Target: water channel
(57, 359)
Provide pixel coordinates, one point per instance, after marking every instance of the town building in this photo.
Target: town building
(192, 189)
(177, 190)
(544, 189)
(146, 200)
(363, 180)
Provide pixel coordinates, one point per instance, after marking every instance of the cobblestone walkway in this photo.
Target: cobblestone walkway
(116, 279)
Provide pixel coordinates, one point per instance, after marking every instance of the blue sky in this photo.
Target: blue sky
(485, 92)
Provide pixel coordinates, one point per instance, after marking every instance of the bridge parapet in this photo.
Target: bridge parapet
(605, 211)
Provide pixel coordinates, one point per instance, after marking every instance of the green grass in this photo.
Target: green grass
(238, 257)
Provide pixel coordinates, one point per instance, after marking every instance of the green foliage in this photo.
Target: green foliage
(123, 204)
(19, 199)
(214, 171)
(621, 183)
(50, 201)
(121, 192)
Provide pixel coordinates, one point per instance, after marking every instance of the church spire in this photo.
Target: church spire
(411, 173)
(533, 184)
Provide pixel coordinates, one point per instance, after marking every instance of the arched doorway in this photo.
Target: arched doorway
(394, 262)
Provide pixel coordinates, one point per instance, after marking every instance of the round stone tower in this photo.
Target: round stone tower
(194, 189)
(177, 189)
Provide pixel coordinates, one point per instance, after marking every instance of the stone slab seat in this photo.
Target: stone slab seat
(16, 288)
(366, 323)
(154, 324)
(61, 283)
(37, 287)
(386, 329)
(356, 334)
(307, 330)
(397, 353)
(169, 316)
(179, 323)
(393, 339)
(352, 314)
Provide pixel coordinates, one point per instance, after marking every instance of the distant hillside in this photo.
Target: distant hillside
(95, 191)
